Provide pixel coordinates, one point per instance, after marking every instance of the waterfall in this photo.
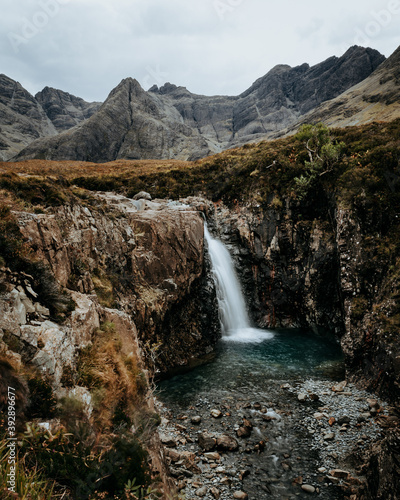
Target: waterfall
(233, 315)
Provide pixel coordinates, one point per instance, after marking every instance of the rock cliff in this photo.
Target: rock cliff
(118, 288)
(22, 119)
(65, 110)
(171, 122)
(375, 98)
(145, 261)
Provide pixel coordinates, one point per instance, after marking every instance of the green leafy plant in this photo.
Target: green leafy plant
(322, 152)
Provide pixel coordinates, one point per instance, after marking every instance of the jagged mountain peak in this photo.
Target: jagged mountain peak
(63, 109)
(376, 97)
(127, 85)
(171, 122)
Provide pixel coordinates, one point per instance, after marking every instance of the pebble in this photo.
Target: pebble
(240, 495)
(216, 413)
(196, 420)
(215, 493)
(308, 488)
(339, 387)
(212, 456)
(343, 420)
(206, 441)
(201, 492)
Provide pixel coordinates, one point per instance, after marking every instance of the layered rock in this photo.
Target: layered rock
(63, 109)
(145, 258)
(288, 268)
(22, 119)
(171, 122)
(374, 99)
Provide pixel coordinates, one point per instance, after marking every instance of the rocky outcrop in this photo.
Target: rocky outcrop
(374, 99)
(171, 122)
(22, 119)
(285, 94)
(328, 271)
(288, 267)
(63, 109)
(369, 289)
(142, 257)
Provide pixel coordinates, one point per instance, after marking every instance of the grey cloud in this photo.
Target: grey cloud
(88, 46)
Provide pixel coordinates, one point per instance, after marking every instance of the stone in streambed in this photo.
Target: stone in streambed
(201, 492)
(216, 413)
(339, 387)
(243, 432)
(247, 423)
(168, 440)
(308, 488)
(240, 495)
(142, 196)
(215, 493)
(227, 443)
(206, 441)
(196, 420)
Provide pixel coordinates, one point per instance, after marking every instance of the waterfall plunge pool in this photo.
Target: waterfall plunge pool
(248, 357)
(285, 354)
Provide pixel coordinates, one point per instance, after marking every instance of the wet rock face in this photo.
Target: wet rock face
(327, 271)
(288, 269)
(369, 290)
(145, 258)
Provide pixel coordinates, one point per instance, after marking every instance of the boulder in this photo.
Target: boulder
(227, 443)
(142, 195)
(206, 441)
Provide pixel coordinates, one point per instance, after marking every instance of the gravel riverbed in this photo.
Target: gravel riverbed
(286, 441)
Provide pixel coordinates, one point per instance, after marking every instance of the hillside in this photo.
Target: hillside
(376, 98)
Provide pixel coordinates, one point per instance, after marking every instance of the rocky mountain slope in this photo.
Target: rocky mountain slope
(25, 118)
(63, 109)
(171, 122)
(375, 98)
(22, 118)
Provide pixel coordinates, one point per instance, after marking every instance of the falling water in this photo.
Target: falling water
(233, 315)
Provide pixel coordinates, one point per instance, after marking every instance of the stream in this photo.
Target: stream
(270, 417)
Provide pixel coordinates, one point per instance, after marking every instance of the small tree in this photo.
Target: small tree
(322, 152)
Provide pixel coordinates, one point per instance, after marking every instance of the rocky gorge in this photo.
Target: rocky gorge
(106, 282)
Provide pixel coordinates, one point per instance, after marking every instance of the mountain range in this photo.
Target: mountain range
(171, 122)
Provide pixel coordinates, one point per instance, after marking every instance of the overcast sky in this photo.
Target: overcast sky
(86, 47)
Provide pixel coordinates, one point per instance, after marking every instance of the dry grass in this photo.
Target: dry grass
(72, 169)
(114, 377)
